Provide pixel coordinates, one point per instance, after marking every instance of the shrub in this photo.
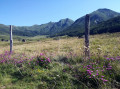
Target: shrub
(43, 61)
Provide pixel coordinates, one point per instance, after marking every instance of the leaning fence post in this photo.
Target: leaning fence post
(11, 39)
(87, 29)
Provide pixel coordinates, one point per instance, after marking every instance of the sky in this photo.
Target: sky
(31, 12)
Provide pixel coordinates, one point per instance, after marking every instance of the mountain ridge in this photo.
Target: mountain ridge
(77, 28)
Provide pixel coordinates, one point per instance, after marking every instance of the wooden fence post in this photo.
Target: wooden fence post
(11, 39)
(87, 29)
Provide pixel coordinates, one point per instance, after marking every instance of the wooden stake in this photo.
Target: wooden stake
(87, 29)
(11, 39)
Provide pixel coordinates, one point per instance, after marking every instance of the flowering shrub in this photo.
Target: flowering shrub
(43, 61)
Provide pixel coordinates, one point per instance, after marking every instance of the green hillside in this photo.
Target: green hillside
(4, 29)
(112, 25)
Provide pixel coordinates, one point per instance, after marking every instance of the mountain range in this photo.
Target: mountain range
(66, 26)
(43, 29)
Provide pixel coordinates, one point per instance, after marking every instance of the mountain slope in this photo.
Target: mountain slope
(111, 25)
(77, 28)
(60, 26)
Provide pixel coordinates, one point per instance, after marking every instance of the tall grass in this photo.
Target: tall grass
(106, 44)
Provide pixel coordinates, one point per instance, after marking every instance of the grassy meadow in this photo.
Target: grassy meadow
(58, 63)
(106, 44)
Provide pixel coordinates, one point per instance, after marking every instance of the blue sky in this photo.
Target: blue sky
(30, 12)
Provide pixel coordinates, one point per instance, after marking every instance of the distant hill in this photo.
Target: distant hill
(111, 25)
(4, 29)
(77, 28)
(43, 29)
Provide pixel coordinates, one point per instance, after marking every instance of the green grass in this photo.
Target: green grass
(67, 69)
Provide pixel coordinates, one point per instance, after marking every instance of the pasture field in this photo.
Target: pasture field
(58, 63)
